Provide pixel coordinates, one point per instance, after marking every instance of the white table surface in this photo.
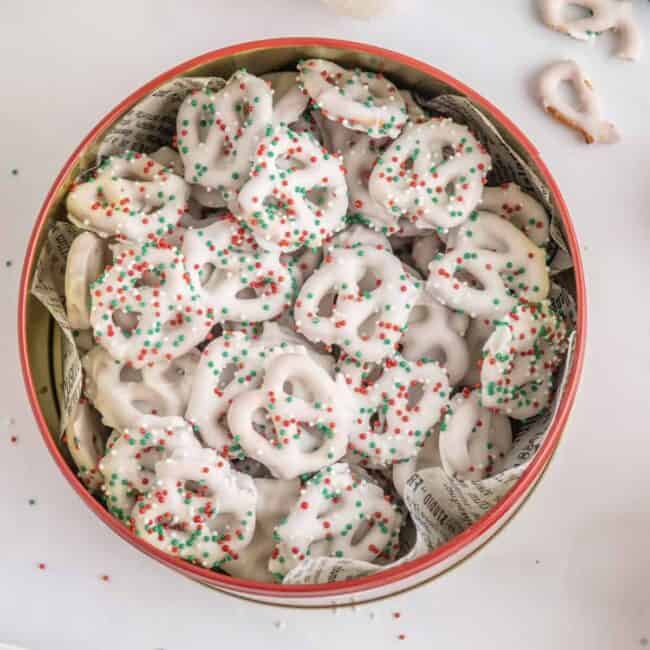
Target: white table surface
(570, 571)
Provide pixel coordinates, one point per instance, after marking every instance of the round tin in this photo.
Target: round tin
(38, 334)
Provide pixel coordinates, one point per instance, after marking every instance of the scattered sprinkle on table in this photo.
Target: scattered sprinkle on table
(643, 641)
(396, 614)
(14, 172)
(8, 263)
(280, 625)
(41, 566)
(13, 440)
(105, 577)
(32, 502)
(401, 637)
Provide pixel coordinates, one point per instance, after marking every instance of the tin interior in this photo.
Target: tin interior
(42, 335)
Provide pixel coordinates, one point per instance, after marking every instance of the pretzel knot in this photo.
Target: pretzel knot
(218, 132)
(131, 455)
(129, 398)
(86, 441)
(305, 429)
(436, 333)
(604, 15)
(432, 175)
(520, 359)
(397, 407)
(360, 299)
(129, 195)
(490, 265)
(199, 509)
(147, 306)
(296, 195)
(231, 365)
(239, 281)
(586, 118)
(87, 258)
(361, 100)
(338, 514)
(473, 439)
(520, 209)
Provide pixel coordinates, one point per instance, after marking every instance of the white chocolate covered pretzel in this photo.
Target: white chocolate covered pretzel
(199, 509)
(130, 195)
(433, 174)
(338, 514)
(478, 332)
(521, 209)
(275, 499)
(355, 236)
(586, 119)
(308, 429)
(296, 195)
(473, 439)
(218, 132)
(520, 359)
(86, 440)
(239, 281)
(604, 15)
(490, 266)
(361, 100)
(232, 364)
(436, 333)
(289, 100)
(428, 456)
(153, 396)
(362, 321)
(87, 258)
(131, 455)
(148, 306)
(397, 412)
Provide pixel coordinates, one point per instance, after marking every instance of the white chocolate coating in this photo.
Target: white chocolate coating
(218, 132)
(130, 459)
(289, 100)
(360, 100)
(364, 321)
(199, 509)
(491, 265)
(433, 174)
(428, 456)
(129, 195)
(520, 209)
(239, 281)
(86, 261)
(148, 305)
(520, 359)
(397, 412)
(275, 499)
(127, 398)
(338, 514)
(473, 440)
(605, 15)
(296, 195)
(586, 119)
(310, 427)
(436, 333)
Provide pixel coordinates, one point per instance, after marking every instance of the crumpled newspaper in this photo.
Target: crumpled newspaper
(441, 507)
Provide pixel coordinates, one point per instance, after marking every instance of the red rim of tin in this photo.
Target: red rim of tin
(388, 576)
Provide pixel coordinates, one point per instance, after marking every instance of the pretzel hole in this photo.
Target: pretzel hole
(575, 11)
(326, 305)
(568, 94)
(206, 272)
(369, 326)
(150, 279)
(298, 389)
(462, 275)
(364, 527)
(369, 282)
(287, 162)
(126, 322)
(247, 293)
(408, 163)
(130, 375)
(450, 188)
(226, 375)
(448, 152)
(373, 374)
(414, 393)
(319, 195)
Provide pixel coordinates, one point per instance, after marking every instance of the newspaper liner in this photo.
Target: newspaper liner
(441, 507)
